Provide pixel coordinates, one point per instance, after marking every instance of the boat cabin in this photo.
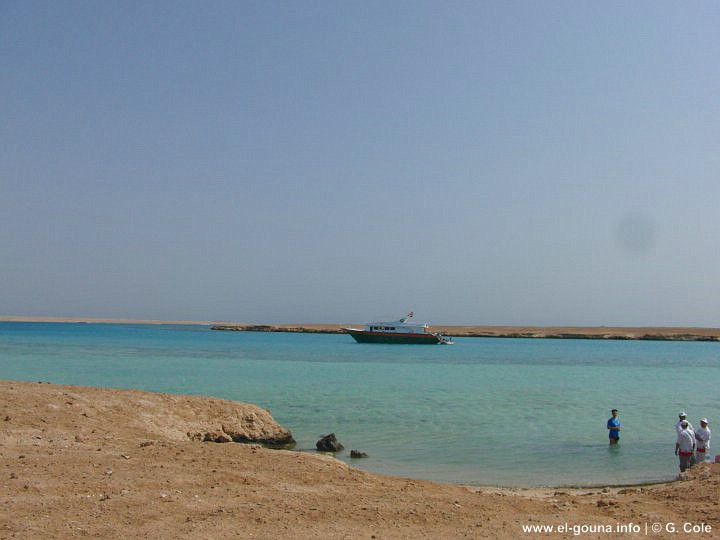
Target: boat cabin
(400, 327)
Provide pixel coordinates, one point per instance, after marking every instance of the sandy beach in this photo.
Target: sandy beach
(79, 462)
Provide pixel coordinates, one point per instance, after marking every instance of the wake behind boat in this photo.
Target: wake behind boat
(400, 331)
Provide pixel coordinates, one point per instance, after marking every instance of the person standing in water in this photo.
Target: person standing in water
(702, 441)
(685, 446)
(613, 425)
(682, 418)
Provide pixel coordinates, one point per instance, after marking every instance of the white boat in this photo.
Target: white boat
(400, 331)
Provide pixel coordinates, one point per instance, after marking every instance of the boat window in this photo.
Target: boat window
(392, 328)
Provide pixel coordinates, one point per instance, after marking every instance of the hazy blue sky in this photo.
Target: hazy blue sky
(476, 162)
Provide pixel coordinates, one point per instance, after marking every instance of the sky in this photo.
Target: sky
(495, 162)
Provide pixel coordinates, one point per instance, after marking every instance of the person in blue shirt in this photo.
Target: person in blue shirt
(613, 425)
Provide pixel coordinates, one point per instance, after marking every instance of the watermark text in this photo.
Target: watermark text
(620, 528)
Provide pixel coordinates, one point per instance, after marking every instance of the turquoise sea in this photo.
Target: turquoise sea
(511, 412)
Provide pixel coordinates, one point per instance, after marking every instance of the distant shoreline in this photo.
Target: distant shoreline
(94, 320)
(538, 332)
(643, 333)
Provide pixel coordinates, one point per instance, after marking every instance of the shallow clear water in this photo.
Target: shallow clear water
(521, 412)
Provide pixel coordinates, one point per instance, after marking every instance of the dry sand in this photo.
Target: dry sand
(78, 462)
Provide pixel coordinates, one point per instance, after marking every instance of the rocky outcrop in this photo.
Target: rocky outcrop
(271, 328)
(221, 421)
(357, 454)
(150, 415)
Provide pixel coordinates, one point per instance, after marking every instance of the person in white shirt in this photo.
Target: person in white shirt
(702, 441)
(685, 446)
(683, 418)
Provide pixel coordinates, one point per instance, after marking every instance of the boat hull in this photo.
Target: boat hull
(363, 336)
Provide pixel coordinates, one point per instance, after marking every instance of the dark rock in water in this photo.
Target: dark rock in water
(328, 443)
(357, 454)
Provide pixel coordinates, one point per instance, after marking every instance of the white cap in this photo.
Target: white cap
(682, 414)
(684, 423)
(704, 420)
